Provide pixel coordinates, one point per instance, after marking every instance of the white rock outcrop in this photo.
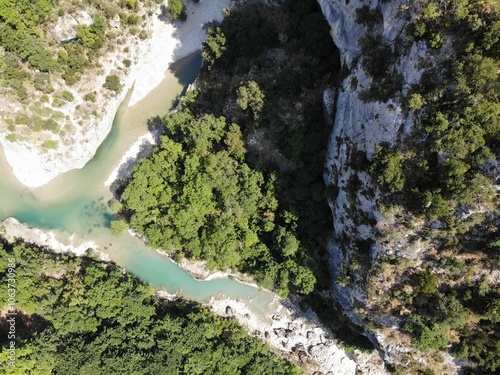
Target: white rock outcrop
(359, 126)
(65, 28)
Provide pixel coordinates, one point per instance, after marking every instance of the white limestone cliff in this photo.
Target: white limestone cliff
(357, 129)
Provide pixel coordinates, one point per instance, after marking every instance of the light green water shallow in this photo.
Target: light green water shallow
(76, 202)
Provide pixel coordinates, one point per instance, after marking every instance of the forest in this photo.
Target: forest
(76, 315)
(237, 179)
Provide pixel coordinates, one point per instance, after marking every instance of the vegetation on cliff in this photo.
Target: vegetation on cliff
(79, 316)
(237, 179)
(443, 183)
(46, 49)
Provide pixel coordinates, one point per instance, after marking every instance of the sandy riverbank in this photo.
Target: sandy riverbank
(13, 229)
(174, 41)
(169, 41)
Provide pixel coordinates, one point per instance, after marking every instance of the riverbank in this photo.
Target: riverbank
(174, 41)
(12, 229)
(170, 41)
(296, 335)
(299, 337)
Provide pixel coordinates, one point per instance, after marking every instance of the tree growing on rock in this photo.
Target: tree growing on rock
(250, 96)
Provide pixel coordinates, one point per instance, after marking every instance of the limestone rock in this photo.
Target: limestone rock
(65, 29)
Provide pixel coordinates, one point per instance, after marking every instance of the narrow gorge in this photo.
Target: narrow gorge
(329, 180)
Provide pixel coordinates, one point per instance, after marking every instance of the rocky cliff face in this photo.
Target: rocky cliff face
(357, 246)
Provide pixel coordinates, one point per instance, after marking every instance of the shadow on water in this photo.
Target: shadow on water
(186, 76)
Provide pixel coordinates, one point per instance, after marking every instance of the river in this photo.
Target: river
(75, 203)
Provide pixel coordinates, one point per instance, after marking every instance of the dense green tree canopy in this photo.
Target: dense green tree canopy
(237, 178)
(79, 316)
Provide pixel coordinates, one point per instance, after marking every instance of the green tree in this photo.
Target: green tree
(117, 227)
(250, 96)
(214, 47)
(92, 36)
(177, 9)
(112, 83)
(428, 282)
(235, 142)
(387, 166)
(415, 101)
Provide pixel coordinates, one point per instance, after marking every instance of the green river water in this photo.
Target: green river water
(75, 203)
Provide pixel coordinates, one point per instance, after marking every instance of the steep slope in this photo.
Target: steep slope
(60, 97)
(384, 253)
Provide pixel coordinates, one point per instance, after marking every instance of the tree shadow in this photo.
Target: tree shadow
(26, 325)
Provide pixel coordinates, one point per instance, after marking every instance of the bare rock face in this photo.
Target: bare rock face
(358, 128)
(65, 29)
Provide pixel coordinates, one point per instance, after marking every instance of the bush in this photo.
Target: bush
(41, 82)
(369, 17)
(387, 167)
(117, 227)
(177, 9)
(50, 144)
(428, 282)
(90, 97)
(432, 338)
(251, 96)
(132, 20)
(415, 101)
(68, 96)
(214, 47)
(113, 83)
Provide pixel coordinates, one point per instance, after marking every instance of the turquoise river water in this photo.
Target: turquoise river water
(75, 203)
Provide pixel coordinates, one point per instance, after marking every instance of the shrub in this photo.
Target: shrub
(50, 144)
(132, 20)
(68, 96)
(70, 79)
(432, 338)
(177, 9)
(428, 282)
(251, 96)
(129, 4)
(117, 227)
(415, 101)
(377, 55)
(89, 97)
(387, 166)
(57, 103)
(214, 47)
(41, 82)
(369, 17)
(113, 83)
